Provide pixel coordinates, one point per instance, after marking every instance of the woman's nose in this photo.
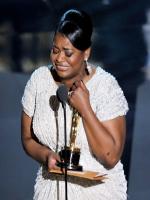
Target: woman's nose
(60, 57)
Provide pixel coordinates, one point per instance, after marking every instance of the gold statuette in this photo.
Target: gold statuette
(71, 155)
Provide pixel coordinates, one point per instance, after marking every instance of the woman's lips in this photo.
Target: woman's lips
(61, 68)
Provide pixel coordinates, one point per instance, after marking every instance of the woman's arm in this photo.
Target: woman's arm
(32, 147)
(106, 139)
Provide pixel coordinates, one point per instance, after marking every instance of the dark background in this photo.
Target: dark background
(119, 43)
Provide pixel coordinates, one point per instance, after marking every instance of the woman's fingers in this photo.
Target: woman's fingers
(83, 85)
(53, 158)
(78, 84)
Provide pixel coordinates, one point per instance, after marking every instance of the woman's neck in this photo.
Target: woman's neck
(85, 76)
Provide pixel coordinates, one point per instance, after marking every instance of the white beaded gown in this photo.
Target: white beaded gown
(108, 102)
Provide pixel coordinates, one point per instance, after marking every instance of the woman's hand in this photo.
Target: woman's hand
(52, 160)
(79, 97)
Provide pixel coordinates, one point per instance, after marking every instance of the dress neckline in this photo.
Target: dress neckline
(91, 68)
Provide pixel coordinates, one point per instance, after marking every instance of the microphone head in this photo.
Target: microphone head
(62, 93)
(54, 103)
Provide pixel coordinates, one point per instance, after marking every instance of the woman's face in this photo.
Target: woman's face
(67, 60)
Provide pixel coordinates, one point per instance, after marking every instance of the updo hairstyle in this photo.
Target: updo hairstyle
(77, 27)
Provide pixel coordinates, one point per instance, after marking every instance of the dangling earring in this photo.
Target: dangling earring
(86, 67)
(86, 62)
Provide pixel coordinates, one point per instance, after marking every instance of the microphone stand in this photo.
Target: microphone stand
(65, 147)
(62, 94)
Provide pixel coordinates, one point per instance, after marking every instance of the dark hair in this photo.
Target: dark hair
(77, 27)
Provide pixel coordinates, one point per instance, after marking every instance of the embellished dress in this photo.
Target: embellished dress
(108, 102)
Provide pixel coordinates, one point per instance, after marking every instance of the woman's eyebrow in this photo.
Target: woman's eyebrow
(67, 49)
(64, 48)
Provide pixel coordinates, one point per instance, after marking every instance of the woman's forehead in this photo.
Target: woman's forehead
(60, 38)
(61, 41)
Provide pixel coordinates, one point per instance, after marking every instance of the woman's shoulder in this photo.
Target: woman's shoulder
(102, 76)
(41, 72)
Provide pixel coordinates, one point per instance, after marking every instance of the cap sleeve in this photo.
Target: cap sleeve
(29, 95)
(111, 102)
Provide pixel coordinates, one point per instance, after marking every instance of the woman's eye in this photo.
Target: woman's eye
(55, 51)
(68, 54)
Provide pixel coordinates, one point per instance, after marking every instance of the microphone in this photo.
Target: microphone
(54, 103)
(62, 94)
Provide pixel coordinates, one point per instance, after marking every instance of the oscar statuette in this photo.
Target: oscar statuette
(71, 154)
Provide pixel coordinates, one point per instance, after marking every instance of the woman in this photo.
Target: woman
(102, 107)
